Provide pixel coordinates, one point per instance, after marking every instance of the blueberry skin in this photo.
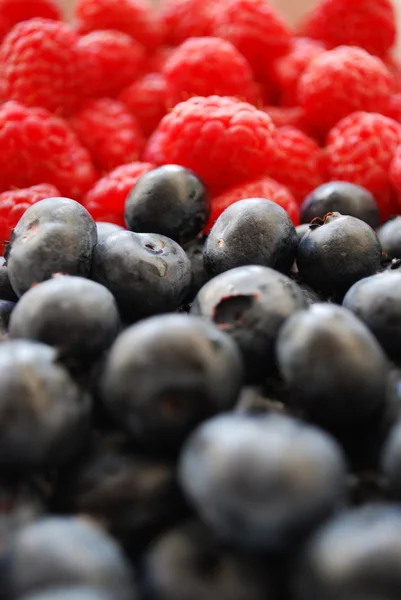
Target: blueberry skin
(343, 197)
(55, 235)
(6, 291)
(356, 555)
(104, 229)
(67, 551)
(390, 237)
(6, 308)
(169, 200)
(147, 273)
(311, 296)
(76, 315)
(69, 593)
(44, 417)
(301, 230)
(251, 232)
(391, 460)
(166, 374)
(262, 482)
(251, 304)
(337, 253)
(21, 504)
(376, 301)
(334, 365)
(194, 251)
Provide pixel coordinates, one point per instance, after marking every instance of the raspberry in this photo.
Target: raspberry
(288, 69)
(287, 115)
(146, 100)
(223, 140)
(41, 65)
(255, 29)
(360, 150)
(110, 133)
(14, 203)
(262, 187)
(36, 147)
(156, 61)
(342, 81)
(395, 171)
(187, 18)
(15, 11)
(112, 61)
(301, 163)
(370, 24)
(395, 69)
(134, 17)
(106, 200)
(207, 66)
(393, 109)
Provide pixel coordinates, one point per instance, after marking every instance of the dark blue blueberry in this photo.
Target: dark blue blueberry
(251, 304)
(55, 235)
(6, 308)
(21, 502)
(251, 232)
(262, 482)
(301, 230)
(169, 200)
(147, 273)
(334, 365)
(311, 296)
(194, 251)
(391, 459)
(166, 374)
(69, 593)
(6, 291)
(337, 252)
(77, 316)
(343, 197)
(104, 229)
(390, 237)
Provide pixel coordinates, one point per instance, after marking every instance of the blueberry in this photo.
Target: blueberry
(61, 551)
(334, 365)
(251, 232)
(391, 460)
(170, 200)
(43, 414)
(337, 252)
(147, 273)
(6, 308)
(20, 503)
(262, 482)
(69, 593)
(194, 251)
(76, 315)
(343, 197)
(168, 373)
(104, 229)
(55, 235)
(6, 291)
(390, 237)
(251, 304)
(311, 296)
(355, 556)
(301, 230)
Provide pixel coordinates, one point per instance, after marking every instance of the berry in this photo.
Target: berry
(69, 593)
(56, 235)
(6, 291)
(393, 109)
(223, 140)
(146, 99)
(255, 28)
(41, 65)
(37, 147)
(334, 366)
(14, 203)
(255, 231)
(6, 309)
(133, 17)
(187, 18)
(368, 24)
(170, 200)
(321, 87)
(105, 201)
(194, 251)
(15, 11)
(155, 61)
(391, 460)
(343, 197)
(110, 133)
(262, 482)
(390, 237)
(263, 187)
(208, 66)
(282, 116)
(200, 374)
(360, 150)
(111, 61)
(104, 229)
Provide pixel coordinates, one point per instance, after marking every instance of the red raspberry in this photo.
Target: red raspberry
(106, 200)
(288, 69)
(370, 24)
(282, 116)
(156, 61)
(395, 69)
(41, 65)
(146, 100)
(262, 187)
(207, 66)
(393, 109)
(300, 164)
(112, 60)
(134, 17)
(36, 146)
(360, 150)
(15, 11)
(187, 18)
(110, 133)
(342, 81)
(255, 28)
(395, 173)
(223, 140)
(14, 203)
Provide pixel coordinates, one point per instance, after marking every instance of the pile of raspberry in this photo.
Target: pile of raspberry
(224, 87)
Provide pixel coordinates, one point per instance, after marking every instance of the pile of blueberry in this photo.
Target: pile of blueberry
(192, 418)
